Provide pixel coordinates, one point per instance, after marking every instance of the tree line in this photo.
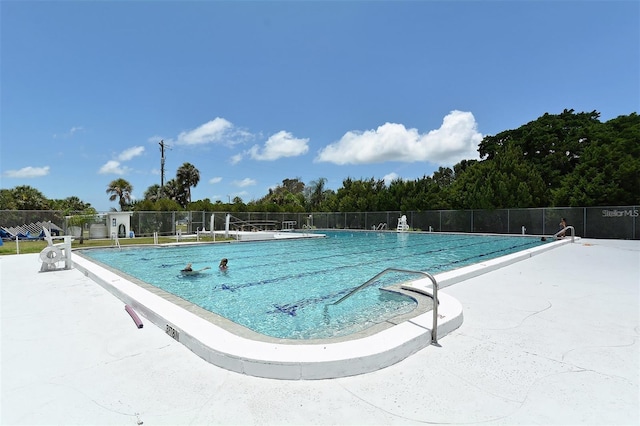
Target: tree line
(568, 159)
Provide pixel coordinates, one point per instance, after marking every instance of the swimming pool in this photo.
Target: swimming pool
(284, 289)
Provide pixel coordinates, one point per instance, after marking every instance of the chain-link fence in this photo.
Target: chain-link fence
(618, 222)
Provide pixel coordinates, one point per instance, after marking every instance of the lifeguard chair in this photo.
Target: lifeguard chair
(54, 253)
(403, 226)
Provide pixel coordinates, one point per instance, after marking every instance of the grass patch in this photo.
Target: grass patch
(9, 247)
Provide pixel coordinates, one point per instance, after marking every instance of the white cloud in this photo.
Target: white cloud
(70, 133)
(218, 130)
(113, 167)
(130, 153)
(457, 139)
(388, 178)
(215, 130)
(244, 182)
(27, 172)
(236, 159)
(281, 144)
(214, 180)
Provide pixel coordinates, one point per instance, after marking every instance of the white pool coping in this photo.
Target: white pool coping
(324, 360)
(255, 235)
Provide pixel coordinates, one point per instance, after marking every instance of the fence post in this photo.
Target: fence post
(471, 221)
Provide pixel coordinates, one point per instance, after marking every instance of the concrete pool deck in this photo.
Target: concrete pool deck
(552, 339)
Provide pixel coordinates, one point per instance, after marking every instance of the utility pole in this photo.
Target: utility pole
(162, 147)
(161, 143)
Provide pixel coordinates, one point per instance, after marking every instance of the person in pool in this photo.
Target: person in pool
(188, 270)
(223, 264)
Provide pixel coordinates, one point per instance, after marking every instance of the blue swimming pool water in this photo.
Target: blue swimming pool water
(284, 288)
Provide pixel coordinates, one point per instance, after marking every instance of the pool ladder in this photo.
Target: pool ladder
(564, 231)
(434, 330)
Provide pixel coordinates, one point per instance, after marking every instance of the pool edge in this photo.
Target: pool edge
(301, 361)
(277, 360)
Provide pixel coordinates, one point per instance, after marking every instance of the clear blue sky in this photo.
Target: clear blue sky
(252, 93)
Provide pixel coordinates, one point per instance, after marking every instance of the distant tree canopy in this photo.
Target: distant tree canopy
(176, 190)
(568, 159)
(608, 172)
(582, 162)
(23, 197)
(71, 204)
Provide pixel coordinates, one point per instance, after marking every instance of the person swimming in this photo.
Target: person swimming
(188, 270)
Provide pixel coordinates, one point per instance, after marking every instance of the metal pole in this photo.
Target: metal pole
(161, 164)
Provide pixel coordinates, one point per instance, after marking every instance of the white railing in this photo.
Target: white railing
(564, 231)
(434, 330)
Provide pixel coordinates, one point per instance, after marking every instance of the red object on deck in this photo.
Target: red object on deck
(134, 316)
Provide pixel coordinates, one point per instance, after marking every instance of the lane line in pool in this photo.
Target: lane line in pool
(392, 246)
(333, 269)
(506, 249)
(291, 308)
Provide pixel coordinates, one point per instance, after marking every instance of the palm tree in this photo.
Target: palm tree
(188, 176)
(153, 193)
(29, 198)
(121, 189)
(174, 191)
(316, 193)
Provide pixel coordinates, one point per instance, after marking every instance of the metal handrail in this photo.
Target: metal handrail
(564, 230)
(249, 224)
(434, 330)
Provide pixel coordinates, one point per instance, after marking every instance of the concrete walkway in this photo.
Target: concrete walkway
(553, 339)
